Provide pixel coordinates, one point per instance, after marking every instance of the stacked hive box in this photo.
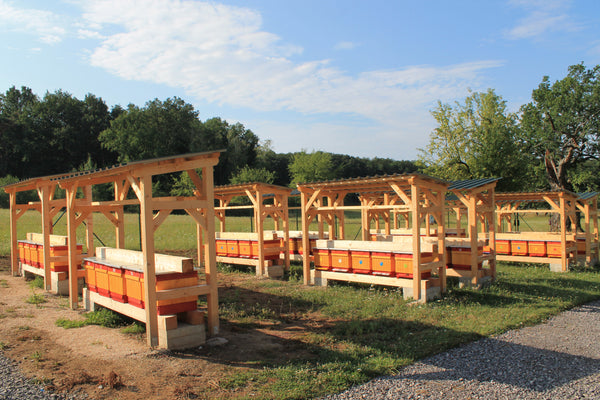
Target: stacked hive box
(31, 251)
(531, 245)
(459, 252)
(117, 273)
(382, 258)
(245, 245)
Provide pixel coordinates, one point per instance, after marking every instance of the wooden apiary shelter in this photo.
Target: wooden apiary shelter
(587, 241)
(259, 248)
(558, 249)
(137, 176)
(408, 262)
(42, 253)
(466, 257)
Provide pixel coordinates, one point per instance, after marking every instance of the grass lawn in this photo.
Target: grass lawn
(346, 334)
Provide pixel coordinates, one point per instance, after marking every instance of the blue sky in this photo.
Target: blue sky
(350, 77)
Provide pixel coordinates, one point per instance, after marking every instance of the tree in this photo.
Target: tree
(16, 118)
(161, 128)
(562, 125)
(311, 167)
(477, 139)
(250, 175)
(240, 145)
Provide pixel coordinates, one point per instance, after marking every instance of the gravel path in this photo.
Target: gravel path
(14, 386)
(559, 359)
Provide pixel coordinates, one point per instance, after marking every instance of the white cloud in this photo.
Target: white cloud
(345, 46)
(46, 25)
(220, 54)
(543, 16)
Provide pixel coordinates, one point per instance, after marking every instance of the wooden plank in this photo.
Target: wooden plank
(370, 279)
(187, 291)
(139, 314)
(55, 240)
(243, 261)
(162, 262)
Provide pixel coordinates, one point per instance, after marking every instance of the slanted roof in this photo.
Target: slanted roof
(469, 184)
(240, 189)
(379, 183)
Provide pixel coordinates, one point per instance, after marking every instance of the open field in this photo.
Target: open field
(286, 340)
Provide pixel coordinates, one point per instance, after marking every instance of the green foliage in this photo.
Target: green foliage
(250, 175)
(35, 298)
(477, 139)
(103, 317)
(311, 167)
(37, 282)
(562, 124)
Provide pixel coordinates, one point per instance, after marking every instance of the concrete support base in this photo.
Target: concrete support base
(428, 294)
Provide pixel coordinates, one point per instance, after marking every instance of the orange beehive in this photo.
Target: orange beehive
(116, 284)
(554, 249)
(502, 246)
(40, 256)
(537, 248)
(404, 264)
(134, 283)
(340, 260)
(134, 287)
(173, 281)
(382, 263)
(519, 247)
(322, 259)
(33, 255)
(361, 262)
(21, 246)
(581, 246)
(57, 251)
(27, 252)
(460, 257)
(90, 275)
(102, 279)
(233, 248)
(245, 248)
(221, 247)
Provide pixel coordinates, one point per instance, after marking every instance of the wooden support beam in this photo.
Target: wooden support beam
(147, 244)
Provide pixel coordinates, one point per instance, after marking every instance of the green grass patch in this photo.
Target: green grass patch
(361, 332)
(134, 328)
(103, 317)
(37, 282)
(35, 298)
(3, 283)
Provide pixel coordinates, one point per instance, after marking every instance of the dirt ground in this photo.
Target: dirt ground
(108, 364)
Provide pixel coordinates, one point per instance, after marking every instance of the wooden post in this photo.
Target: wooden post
(416, 236)
(472, 221)
(258, 211)
(71, 194)
(210, 256)
(44, 195)
(305, 238)
(89, 224)
(147, 232)
(286, 231)
(563, 233)
(14, 248)
(492, 232)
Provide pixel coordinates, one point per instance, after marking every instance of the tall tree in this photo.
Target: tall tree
(311, 167)
(161, 128)
(477, 139)
(562, 125)
(16, 118)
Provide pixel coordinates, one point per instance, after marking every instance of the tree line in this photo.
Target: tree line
(551, 142)
(58, 133)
